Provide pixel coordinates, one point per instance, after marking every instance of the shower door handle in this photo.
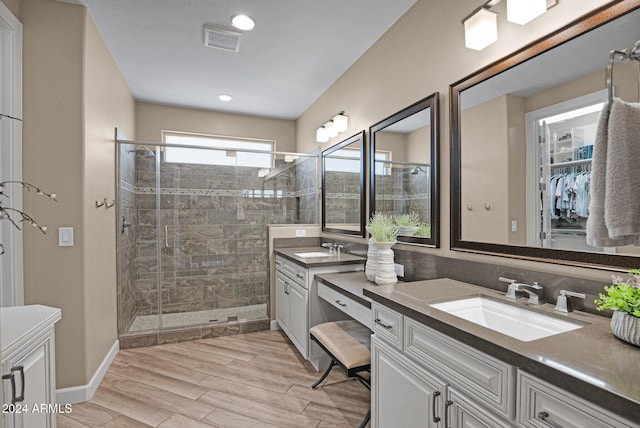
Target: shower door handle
(166, 236)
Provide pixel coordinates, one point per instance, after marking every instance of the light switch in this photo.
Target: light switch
(514, 225)
(65, 236)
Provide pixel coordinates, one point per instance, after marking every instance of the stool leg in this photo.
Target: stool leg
(366, 419)
(324, 376)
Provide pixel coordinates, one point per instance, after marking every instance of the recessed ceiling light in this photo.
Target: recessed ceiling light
(225, 97)
(242, 22)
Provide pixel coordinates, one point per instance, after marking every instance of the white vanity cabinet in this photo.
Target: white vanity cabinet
(403, 394)
(28, 366)
(543, 405)
(438, 381)
(297, 304)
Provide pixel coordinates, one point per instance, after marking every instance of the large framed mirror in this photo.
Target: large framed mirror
(404, 171)
(343, 179)
(522, 135)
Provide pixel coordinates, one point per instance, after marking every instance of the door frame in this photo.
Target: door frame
(11, 263)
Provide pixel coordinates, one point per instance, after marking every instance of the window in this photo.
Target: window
(383, 162)
(343, 160)
(253, 158)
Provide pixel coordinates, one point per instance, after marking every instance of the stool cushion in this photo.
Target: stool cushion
(348, 341)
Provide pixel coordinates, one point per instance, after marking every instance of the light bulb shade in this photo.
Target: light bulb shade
(341, 122)
(321, 135)
(523, 11)
(480, 29)
(331, 129)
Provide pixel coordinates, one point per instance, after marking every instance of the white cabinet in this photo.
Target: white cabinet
(402, 393)
(543, 405)
(28, 366)
(297, 305)
(455, 385)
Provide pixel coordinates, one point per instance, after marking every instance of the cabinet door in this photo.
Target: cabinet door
(283, 310)
(298, 322)
(402, 394)
(462, 412)
(36, 389)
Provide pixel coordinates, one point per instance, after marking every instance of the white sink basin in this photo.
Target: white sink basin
(314, 254)
(519, 323)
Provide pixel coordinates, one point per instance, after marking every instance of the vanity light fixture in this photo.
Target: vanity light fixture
(242, 22)
(225, 97)
(481, 27)
(337, 125)
(524, 11)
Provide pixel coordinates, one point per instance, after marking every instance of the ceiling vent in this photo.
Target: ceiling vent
(221, 38)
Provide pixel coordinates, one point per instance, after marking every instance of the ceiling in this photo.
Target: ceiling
(297, 49)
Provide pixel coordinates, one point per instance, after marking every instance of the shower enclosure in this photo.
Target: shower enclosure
(192, 236)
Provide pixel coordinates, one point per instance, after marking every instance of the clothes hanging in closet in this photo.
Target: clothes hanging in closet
(569, 195)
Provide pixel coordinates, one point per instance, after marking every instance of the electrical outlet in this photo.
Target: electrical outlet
(514, 225)
(399, 270)
(301, 233)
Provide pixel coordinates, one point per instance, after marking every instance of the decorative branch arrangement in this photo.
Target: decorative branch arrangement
(15, 216)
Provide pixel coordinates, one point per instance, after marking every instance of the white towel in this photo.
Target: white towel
(622, 195)
(597, 232)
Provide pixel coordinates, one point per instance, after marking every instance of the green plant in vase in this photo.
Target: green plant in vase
(407, 223)
(380, 265)
(623, 297)
(382, 228)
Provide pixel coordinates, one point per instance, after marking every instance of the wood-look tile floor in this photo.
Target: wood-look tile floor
(245, 381)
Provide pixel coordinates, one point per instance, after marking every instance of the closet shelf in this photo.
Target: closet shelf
(570, 163)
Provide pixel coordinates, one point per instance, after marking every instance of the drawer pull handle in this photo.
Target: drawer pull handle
(436, 394)
(299, 275)
(544, 417)
(9, 376)
(340, 303)
(383, 325)
(21, 370)
(447, 404)
(278, 264)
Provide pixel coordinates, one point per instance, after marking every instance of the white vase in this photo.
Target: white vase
(407, 230)
(371, 266)
(626, 327)
(386, 272)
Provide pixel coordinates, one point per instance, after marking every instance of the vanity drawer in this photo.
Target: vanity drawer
(387, 324)
(355, 310)
(542, 405)
(490, 381)
(293, 270)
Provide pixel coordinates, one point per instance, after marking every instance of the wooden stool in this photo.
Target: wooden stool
(348, 343)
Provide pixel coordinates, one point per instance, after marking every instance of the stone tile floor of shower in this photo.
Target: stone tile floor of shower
(182, 319)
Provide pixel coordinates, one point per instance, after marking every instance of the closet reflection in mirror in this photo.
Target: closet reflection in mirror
(525, 140)
(343, 187)
(404, 163)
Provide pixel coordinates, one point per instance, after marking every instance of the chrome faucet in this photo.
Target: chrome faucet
(333, 247)
(563, 304)
(534, 291)
(512, 291)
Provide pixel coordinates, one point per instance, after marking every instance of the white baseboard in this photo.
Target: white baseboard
(274, 325)
(80, 394)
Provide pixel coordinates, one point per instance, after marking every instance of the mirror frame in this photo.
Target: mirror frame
(576, 28)
(363, 151)
(431, 102)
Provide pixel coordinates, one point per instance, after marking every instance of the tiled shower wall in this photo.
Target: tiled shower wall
(215, 252)
(401, 192)
(126, 249)
(342, 198)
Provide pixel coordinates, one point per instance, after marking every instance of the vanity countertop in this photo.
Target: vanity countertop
(589, 362)
(311, 262)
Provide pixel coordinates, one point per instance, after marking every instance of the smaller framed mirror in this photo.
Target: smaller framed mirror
(343, 178)
(404, 171)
